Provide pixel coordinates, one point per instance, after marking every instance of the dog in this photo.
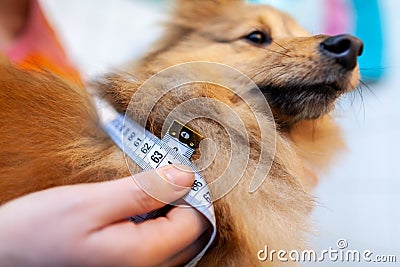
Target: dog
(51, 134)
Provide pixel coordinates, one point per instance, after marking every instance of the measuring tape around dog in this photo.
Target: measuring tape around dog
(149, 152)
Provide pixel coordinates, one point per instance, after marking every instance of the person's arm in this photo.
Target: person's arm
(86, 224)
(13, 17)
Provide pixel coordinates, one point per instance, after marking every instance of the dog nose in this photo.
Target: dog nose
(344, 48)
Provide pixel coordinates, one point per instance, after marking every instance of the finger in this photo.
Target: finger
(152, 242)
(178, 230)
(116, 200)
(189, 253)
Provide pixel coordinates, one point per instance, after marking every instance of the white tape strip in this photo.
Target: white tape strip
(149, 152)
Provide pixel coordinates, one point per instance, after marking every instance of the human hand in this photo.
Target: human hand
(86, 224)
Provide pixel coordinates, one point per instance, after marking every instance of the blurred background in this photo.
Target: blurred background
(359, 199)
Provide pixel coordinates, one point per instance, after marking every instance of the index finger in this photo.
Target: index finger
(151, 242)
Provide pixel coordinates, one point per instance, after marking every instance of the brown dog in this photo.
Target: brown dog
(50, 133)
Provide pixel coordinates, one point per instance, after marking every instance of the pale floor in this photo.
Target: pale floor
(359, 200)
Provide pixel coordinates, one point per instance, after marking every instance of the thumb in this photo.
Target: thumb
(142, 193)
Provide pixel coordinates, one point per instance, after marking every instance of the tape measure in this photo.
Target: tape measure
(149, 152)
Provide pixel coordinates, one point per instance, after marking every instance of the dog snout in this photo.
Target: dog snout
(344, 48)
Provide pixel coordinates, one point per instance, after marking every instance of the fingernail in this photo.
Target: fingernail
(179, 175)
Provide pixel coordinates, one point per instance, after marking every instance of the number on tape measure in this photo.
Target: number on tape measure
(207, 197)
(197, 185)
(157, 157)
(176, 147)
(145, 148)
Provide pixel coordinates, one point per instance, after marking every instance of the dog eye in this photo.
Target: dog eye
(258, 37)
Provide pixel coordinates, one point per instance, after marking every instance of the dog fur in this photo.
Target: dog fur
(51, 136)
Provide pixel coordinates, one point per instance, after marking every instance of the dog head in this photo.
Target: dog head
(300, 75)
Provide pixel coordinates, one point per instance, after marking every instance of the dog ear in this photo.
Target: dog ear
(193, 12)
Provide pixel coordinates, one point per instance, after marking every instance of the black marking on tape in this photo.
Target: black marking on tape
(185, 135)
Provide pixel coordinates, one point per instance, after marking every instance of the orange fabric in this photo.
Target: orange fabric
(38, 48)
